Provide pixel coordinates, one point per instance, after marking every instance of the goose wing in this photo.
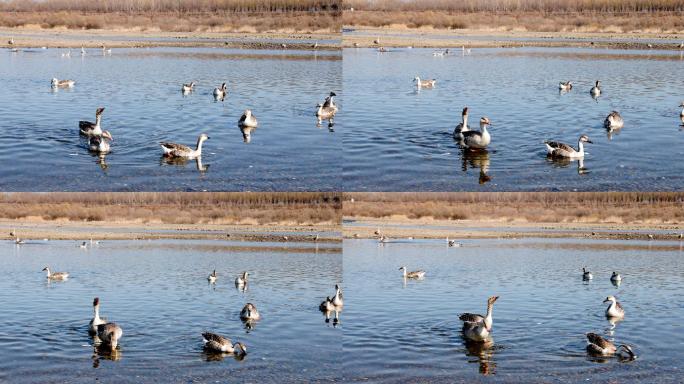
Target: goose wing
(471, 317)
(85, 125)
(559, 145)
(599, 341)
(174, 148)
(619, 306)
(210, 337)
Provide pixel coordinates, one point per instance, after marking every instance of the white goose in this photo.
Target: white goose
(55, 275)
(613, 121)
(55, 83)
(424, 83)
(218, 343)
(412, 275)
(478, 140)
(249, 312)
(597, 345)
(596, 89)
(614, 310)
(100, 143)
(462, 126)
(248, 120)
(477, 327)
(96, 321)
(220, 92)
(89, 128)
(242, 280)
(558, 149)
(187, 88)
(180, 150)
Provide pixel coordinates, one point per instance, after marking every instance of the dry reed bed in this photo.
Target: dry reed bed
(519, 5)
(175, 208)
(543, 207)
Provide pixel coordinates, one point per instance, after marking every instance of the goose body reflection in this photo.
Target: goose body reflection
(478, 160)
(247, 133)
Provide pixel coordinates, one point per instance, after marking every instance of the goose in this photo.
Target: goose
(477, 327)
(681, 114)
(329, 101)
(249, 312)
(220, 92)
(558, 149)
(180, 150)
(187, 88)
(453, 243)
(100, 143)
(412, 275)
(338, 299)
(218, 343)
(462, 126)
(376, 41)
(586, 275)
(11, 41)
(96, 321)
(212, 277)
(89, 128)
(597, 345)
(424, 83)
(19, 241)
(105, 50)
(614, 310)
(325, 113)
(55, 275)
(615, 277)
(327, 305)
(565, 86)
(83, 245)
(242, 280)
(596, 89)
(109, 334)
(478, 139)
(248, 119)
(83, 51)
(55, 83)
(613, 121)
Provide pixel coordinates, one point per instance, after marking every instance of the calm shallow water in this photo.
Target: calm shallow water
(398, 139)
(40, 148)
(158, 292)
(411, 332)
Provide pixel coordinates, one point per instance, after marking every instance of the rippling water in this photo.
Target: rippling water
(397, 139)
(409, 332)
(40, 149)
(158, 292)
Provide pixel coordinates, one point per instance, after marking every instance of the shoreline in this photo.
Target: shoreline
(125, 38)
(80, 231)
(364, 228)
(400, 37)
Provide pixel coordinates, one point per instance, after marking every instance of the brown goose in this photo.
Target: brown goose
(602, 347)
(477, 327)
(614, 121)
(89, 128)
(180, 150)
(100, 143)
(109, 334)
(218, 343)
(559, 149)
(248, 119)
(249, 312)
(412, 275)
(55, 275)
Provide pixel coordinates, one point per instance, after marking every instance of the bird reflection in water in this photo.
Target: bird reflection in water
(247, 133)
(477, 158)
(484, 352)
(104, 353)
(182, 162)
(218, 356)
(564, 162)
(335, 315)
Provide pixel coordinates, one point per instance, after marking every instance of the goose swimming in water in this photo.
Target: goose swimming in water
(220, 92)
(558, 149)
(212, 277)
(89, 128)
(613, 121)
(477, 327)
(462, 126)
(96, 321)
(55, 83)
(249, 312)
(586, 275)
(187, 88)
(242, 280)
(19, 241)
(424, 83)
(615, 277)
(478, 139)
(565, 86)
(681, 114)
(248, 119)
(55, 275)
(218, 343)
(329, 101)
(596, 89)
(325, 113)
(100, 143)
(412, 275)
(602, 347)
(338, 299)
(180, 150)
(614, 310)
(327, 305)
(109, 334)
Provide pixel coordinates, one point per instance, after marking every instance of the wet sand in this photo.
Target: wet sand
(59, 38)
(363, 37)
(483, 229)
(82, 231)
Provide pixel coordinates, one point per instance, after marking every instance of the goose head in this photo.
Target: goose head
(416, 79)
(465, 111)
(627, 349)
(203, 137)
(96, 302)
(332, 94)
(485, 121)
(598, 83)
(610, 298)
(248, 112)
(492, 300)
(46, 269)
(242, 347)
(99, 111)
(585, 139)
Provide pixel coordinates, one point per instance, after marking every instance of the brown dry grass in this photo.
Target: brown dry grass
(519, 5)
(543, 207)
(175, 208)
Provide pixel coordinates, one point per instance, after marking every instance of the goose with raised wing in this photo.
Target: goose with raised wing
(613, 121)
(559, 149)
(597, 345)
(96, 321)
(413, 274)
(180, 150)
(100, 143)
(614, 310)
(478, 139)
(217, 343)
(55, 275)
(248, 120)
(477, 327)
(249, 312)
(462, 126)
(89, 128)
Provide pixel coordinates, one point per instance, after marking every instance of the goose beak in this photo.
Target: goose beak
(590, 142)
